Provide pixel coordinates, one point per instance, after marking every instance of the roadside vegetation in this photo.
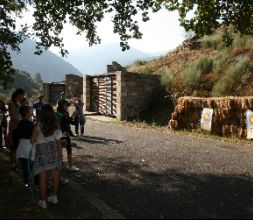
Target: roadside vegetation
(216, 67)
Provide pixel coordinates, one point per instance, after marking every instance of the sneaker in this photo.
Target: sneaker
(53, 200)
(64, 180)
(74, 169)
(42, 204)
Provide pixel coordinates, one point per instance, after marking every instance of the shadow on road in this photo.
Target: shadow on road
(137, 192)
(97, 140)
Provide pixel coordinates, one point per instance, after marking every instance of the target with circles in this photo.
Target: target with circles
(206, 119)
(249, 121)
(249, 117)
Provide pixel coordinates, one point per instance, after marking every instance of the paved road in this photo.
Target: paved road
(147, 174)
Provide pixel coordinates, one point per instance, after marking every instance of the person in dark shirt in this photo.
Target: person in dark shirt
(22, 138)
(65, 124)
(79, 117)
(63, 102)
(38, 107)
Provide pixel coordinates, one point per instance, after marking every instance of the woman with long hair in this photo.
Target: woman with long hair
(15, 117)
(47, 140)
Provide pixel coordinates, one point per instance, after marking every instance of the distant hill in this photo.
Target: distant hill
(94, 60)
(51, 67)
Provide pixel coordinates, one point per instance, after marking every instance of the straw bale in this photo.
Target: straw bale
(173, 124)
(211, 103)
(174, 116)
(225, 130)
(185, 103)
(245, 104)
(179, 109)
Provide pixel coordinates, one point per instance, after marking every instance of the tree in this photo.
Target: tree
(204, 17)
(38, 80)
(51, 15)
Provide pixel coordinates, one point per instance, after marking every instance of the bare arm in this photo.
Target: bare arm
(59, 148)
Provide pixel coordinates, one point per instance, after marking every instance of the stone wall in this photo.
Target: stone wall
(74, 86)
(229, 117)
(135, 93)
(86, 93)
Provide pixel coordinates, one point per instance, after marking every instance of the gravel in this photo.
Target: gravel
(144, 173)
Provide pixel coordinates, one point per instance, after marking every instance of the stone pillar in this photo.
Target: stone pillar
(86, 92)
(121, 96)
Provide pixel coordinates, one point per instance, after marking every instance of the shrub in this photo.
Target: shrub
(145, 70)
(213, 41)
(195, 70)
(140, 62)
(227, 84)
(243, 40)
(166, 77)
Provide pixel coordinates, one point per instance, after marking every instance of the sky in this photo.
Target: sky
(161, 33)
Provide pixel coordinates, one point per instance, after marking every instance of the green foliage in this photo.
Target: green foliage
(37, 78)
(166, 77)
(211, 14)
(140, 62)
(243, 40)
(213, 41)
(145, 70)
(196, 70)
(50, 17)
(21, 80)
(232, 77)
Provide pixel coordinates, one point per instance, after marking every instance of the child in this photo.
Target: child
(47, 137)
(65, 122)
(23, 135)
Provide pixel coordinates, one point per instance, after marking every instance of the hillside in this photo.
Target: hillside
(205, 67)
(94, 60)
(51, 67)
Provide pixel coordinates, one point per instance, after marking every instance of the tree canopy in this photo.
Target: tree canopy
(51, 15)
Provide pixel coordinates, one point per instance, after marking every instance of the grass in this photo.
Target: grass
(16, 201)
(213, 41)
(193, 133)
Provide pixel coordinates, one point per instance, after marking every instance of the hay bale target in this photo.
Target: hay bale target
(229, 114)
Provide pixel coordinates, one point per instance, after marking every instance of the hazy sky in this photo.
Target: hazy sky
(161, 33)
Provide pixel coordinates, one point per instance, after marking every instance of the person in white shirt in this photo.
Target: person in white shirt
(47, 139)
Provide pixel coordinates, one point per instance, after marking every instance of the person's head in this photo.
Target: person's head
(63, 95)
(65, 106)
(80, 101)
(41, 97)
(18, 96)
(26, 112)
(24, 102)
(48, 120)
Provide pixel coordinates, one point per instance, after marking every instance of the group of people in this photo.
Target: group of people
(36, 142)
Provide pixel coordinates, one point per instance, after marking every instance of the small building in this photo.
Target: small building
(119, 93)
(52, 91)
(72, 86)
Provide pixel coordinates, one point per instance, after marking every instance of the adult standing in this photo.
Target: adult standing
(15, 117)
(79, 117)
(62, 102)
(38, 107)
